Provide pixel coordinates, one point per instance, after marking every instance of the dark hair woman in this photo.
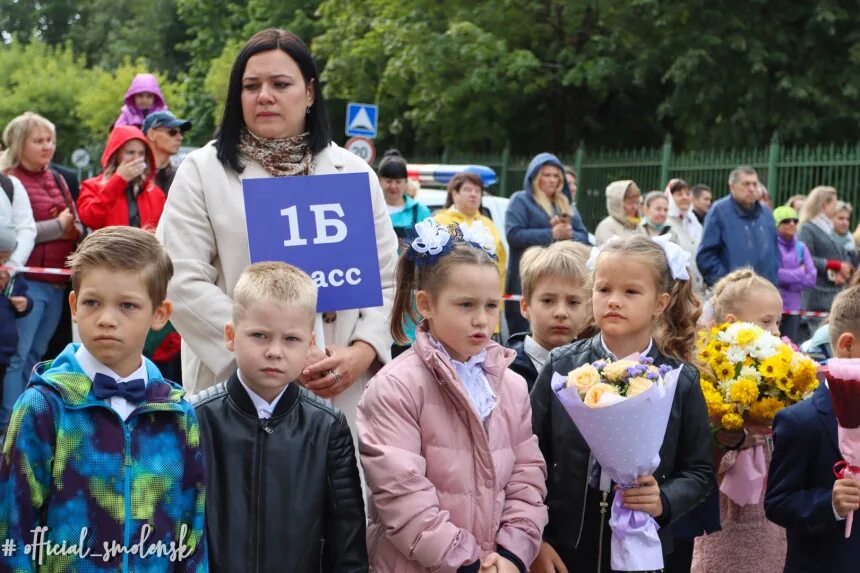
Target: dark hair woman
(274, 125)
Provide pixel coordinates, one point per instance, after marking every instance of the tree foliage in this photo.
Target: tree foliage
(473, 76)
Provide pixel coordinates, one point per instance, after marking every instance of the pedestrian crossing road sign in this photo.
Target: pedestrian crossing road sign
(361, 119)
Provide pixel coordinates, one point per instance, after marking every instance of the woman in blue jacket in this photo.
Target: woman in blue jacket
(538, 215)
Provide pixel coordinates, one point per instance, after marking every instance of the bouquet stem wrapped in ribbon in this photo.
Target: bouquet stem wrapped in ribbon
(621, 409)
(843, 378)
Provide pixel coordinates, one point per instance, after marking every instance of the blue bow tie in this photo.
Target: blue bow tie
(106, 387)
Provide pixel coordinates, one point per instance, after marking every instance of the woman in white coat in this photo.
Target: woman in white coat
(686, 229)
(274, 124)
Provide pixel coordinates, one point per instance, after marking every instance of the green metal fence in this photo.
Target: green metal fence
(785, 170)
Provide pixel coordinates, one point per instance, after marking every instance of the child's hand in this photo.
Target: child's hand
(645, 498)
(490, 563)
(846, 496)
(547, 561)
(133, 169)
(19, 303)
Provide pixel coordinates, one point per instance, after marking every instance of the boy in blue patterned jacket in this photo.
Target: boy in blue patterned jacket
(102, 454)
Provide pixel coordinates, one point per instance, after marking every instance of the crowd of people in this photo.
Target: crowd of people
(211, 409)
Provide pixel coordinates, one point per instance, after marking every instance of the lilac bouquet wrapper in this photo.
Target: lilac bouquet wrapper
(625, 439)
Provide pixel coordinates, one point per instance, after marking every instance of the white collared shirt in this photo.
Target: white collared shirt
(536, 353)
(611, 355)
(264, 408)
(471, 375)
(91, 366)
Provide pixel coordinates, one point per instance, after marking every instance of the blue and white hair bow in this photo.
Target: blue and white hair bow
(429, 240)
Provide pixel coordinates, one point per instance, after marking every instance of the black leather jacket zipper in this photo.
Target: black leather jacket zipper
(263, 431)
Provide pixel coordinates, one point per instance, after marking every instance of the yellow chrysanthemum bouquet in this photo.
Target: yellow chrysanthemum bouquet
(748, 374)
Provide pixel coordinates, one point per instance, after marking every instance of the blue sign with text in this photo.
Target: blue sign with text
(361, 119)
(322, 224)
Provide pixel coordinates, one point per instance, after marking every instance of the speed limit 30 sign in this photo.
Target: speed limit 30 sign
(363, 147)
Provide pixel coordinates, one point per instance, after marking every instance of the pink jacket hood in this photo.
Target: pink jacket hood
(446, 489)
(145, 83)
(131, 114)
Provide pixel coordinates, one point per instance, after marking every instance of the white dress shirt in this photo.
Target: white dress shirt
(471, 374)
(264, 408)
(91, 366)
(536, 353)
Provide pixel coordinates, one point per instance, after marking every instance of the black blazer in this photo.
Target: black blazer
(522, 364)
(685, 473)
(800, 486)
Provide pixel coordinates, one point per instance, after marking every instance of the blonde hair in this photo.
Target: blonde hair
(277, 283)
(734, 288)
(561, 259)
(126, 249)
(815, 202)
(844, 206)
(15, 135)
(653, 196)
(845, 314)
(430, 278)
(676, 326)
(559, 204)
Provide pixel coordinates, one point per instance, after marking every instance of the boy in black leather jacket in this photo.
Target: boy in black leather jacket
(283, 490)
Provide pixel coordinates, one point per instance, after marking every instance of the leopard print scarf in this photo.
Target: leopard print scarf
(279, 157)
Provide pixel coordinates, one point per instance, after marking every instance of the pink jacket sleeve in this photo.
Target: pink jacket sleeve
(407, 503)
(524, 514)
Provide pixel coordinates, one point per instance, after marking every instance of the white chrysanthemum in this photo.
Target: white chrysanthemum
(750, 372)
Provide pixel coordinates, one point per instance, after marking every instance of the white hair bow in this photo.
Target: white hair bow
(432, 237)
(677, 257)
(479, 234)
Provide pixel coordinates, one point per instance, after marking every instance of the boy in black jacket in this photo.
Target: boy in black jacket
(556, 301)
(14, 302)
(283, 492)
(802, 494)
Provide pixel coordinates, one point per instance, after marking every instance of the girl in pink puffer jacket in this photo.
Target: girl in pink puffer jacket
(456, 478)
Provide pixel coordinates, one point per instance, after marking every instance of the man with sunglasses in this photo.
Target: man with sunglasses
(164, 131)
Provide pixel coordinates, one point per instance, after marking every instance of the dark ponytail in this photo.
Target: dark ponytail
(404, 307)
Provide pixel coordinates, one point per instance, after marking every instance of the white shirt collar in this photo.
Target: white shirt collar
(609, 352)
(536, 353)
(264, 409)
(92, 366)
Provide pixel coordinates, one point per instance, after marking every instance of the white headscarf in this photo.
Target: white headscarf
(689, 222)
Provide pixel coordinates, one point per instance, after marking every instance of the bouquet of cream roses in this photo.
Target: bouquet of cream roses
(621, 408)
(605, 382)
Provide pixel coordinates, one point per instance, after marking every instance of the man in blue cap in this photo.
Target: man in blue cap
(164, 131)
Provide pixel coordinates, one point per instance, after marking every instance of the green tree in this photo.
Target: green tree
(46, 80)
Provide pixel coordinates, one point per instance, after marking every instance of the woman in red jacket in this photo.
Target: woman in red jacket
(124, 193)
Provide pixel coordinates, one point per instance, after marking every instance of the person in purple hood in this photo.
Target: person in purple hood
(142, 98)
(796, 269)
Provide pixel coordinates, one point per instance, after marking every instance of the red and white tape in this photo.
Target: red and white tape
(39, 270)
(810, 313)
(813, 314)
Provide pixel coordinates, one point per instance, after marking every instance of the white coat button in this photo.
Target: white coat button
(488, 483)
